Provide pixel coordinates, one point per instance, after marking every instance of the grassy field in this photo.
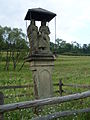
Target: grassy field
(72, 69)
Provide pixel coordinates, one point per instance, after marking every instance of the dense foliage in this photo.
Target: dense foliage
(74, 48)
(13, 46)
(12, 39)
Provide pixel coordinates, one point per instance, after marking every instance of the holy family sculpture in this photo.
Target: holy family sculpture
(39, 40)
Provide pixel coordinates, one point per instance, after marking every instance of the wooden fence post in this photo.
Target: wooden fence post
(1, 103)
(60, 87)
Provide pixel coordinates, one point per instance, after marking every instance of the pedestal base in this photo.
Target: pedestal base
(42, 66)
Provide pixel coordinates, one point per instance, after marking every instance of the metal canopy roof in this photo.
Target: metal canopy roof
(39, 14)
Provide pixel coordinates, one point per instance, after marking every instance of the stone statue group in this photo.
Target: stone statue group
(39, 39)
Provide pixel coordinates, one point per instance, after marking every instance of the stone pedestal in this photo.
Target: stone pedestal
(42, 66)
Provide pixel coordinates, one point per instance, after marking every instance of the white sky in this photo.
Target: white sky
(73, 17)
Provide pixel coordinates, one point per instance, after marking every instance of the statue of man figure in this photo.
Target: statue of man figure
(44, 39)
(32, 32)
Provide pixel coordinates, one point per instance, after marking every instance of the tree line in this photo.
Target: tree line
(13, 39)
(14, 47)
(74, 48)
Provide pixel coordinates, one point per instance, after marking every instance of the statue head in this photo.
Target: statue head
(43, 23)
(32, 22)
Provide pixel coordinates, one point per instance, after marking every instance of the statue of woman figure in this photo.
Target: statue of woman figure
(44, 39)
(32, 32)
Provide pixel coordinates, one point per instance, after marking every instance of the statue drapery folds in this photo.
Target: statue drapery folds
(39, 39)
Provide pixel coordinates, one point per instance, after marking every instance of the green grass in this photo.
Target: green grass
(71, 69)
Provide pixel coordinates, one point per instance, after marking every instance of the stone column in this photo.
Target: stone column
(42, 66)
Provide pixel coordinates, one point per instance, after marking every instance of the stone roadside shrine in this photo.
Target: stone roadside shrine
(41, 59)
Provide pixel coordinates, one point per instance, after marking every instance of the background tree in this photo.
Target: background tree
(13, 44)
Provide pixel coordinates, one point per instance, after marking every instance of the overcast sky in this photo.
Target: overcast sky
(72, 21)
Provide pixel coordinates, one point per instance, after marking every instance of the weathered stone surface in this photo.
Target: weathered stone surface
(44, 39)
(32, 33)
(39, 40)
(41, 59)
(42, 76)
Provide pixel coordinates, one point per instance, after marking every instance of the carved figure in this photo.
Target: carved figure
(44, 39)
(32, 32)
